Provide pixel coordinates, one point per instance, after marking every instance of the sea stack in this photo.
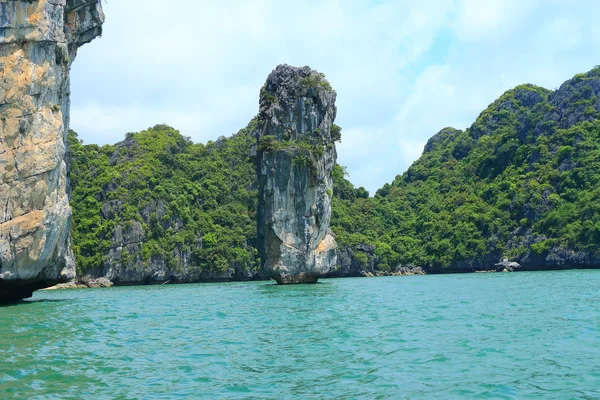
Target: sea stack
(295, 156)
(38, 43)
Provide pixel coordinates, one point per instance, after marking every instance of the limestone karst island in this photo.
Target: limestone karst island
(39, 43)
(295, 158)
(147, 251)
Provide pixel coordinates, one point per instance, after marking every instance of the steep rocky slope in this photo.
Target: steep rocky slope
(295, 157)
(38, 43)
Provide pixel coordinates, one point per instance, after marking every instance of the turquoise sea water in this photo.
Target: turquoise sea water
(519, 335)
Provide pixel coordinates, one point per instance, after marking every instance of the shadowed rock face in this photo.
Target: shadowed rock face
(38, 42)
(295, 156)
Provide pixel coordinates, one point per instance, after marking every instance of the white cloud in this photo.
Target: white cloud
(402, 69)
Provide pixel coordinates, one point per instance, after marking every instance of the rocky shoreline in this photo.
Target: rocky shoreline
(82, 284)
(348, 267)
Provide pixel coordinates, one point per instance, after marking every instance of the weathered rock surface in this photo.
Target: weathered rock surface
(83, 284)
(125, 266)
(38, 43)
(295, 157)
(507, 266)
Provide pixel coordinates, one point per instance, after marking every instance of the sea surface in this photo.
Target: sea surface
(513, 335)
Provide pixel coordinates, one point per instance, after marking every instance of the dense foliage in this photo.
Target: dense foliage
(188, 198)
(523, 180)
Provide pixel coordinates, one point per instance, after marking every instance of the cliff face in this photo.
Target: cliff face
(295, 156)
(38, 43)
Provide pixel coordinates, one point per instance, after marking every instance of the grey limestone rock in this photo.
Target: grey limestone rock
(38, 42)
(295, 156)
(507, 266)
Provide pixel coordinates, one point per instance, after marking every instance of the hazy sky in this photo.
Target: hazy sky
(402, 69)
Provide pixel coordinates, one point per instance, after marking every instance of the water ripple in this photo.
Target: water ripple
(525, 335)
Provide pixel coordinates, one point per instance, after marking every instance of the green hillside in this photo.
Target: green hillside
(172, 206)
(523, 182)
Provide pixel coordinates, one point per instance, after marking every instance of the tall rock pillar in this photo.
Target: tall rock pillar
(38, 43)
(295, 156)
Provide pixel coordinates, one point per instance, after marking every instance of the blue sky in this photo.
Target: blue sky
(402, 69)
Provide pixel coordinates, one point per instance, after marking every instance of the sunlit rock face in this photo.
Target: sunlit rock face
(38, 43)
(295, 156)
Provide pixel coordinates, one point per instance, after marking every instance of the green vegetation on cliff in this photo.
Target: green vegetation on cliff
(188, 198)
(522, 182)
